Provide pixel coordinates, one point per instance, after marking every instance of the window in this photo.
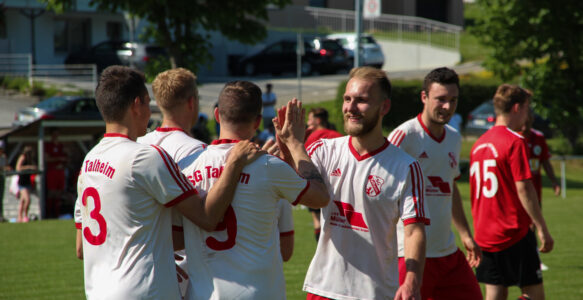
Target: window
(318, 3)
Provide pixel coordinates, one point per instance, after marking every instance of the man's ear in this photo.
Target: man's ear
(386, 106)
(423, 97)
(217, 118)
(135, 106)
(257, 122)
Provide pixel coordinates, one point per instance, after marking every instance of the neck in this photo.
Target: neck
(121, 129)
(172, 123)
(369, 142)
(236, 132)
(436, 130)
(507, 121)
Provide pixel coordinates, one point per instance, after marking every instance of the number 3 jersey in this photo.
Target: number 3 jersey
(498, 159)
(241, 258)
(125, 189)
(356, 257)
(438, 158)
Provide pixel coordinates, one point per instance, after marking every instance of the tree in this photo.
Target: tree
(540, 41)
(183, 26)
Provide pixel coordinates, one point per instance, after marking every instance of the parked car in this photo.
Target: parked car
(60, 108)
(372, 53)
(109, 53)
(320, 55)
(483, 118)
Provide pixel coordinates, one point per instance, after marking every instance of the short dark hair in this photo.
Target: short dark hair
(240, 102)
(321, 114)
(372, 74)
(507, 95)
(442, 76)
(117, 88)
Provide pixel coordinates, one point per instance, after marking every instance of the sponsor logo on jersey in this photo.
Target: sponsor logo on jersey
(438, 187)
(213, 172)
(373, 186)
(452, 160)
(423, 155)
(100, 167)
(347, 217)
(336, 172)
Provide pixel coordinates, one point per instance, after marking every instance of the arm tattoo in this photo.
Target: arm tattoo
(309, 172)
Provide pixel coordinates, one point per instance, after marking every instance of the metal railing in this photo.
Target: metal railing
(393, 27)
(79, 76)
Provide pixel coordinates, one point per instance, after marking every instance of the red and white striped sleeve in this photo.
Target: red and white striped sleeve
(413, 205)
(396, 137)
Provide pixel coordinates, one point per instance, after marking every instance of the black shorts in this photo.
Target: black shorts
(314, 210)
(518, 265)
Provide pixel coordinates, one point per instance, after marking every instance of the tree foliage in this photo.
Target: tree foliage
(183, 26)
(540, 41)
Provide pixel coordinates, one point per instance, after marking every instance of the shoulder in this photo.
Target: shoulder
(328, 144)
(452, 132)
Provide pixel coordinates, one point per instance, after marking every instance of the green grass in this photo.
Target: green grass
(37, 260)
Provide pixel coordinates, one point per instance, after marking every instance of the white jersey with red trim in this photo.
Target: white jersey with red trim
(439, 159)
(242, 257)
(356, 257)
(125, 189)
(174, 140)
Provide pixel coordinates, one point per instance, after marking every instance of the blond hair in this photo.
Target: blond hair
(174, 87)
(379, 77)
(507, 95)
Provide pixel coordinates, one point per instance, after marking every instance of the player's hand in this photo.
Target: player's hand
(546, 241)
(557, 189)
(290, 124)
(408, 291)
(244, 153)
(181, 274)
(473, 252)
(271, 147)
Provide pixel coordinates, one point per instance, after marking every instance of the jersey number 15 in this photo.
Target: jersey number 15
(483, 176)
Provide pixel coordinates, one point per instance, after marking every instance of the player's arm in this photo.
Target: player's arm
(528, 199)
(551, 174)
(473, 251)
(414, 240)
(208, 212)
(79, 244)
(290, 136)
(286, 246)
(177, 239)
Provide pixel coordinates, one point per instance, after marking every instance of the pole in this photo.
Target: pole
(358, 26)
(40, 182)
(299, 52)
(563, 180)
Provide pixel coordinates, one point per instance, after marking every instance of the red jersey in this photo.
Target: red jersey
(538, 151)
(498, 160)
(321, 134)
(55, 150)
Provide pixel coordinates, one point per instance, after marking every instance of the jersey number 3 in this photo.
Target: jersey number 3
(97, 216)
(229, 224)
(483, 176)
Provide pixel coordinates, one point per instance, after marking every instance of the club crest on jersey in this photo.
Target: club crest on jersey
(374, 185)
(452, 160)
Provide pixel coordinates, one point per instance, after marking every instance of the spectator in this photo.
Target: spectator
(268, 99)
(3, 167)
(25, 163)
(55, 161)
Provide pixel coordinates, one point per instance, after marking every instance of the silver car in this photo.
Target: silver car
(372, 54)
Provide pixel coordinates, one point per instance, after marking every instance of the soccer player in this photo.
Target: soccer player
(318, 128)
(436, 145)
(242, 257)
(373, 184)
(504, 202)
(177, 97)
(124, 191)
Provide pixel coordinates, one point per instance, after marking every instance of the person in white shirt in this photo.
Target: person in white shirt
(124, 191)
(177, 97)
(373, 185)
(241, 259)
(436, 145)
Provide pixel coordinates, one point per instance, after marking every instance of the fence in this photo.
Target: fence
(65, 76)
(395, 27)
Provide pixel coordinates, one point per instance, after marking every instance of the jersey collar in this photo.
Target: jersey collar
(429, 132)
(116, 135)
(168, 129)
(367, 155)
(224, 141)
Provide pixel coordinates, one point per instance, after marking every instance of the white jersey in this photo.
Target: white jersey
(174, 140)
(439, 161)
(179, 145)
(242, 257)
(124, 190)
(356, 257)
(285, 218)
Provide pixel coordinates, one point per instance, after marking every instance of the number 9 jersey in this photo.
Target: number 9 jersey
(498, 160)
(124, 189)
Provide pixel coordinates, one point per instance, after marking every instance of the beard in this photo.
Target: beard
(357, 130)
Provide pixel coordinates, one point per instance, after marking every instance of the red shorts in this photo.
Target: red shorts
(448, 277)
(311, 296)
(56, 180)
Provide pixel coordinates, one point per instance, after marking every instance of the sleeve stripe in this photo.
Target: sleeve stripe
(302, 193)
(397, 137)
(417, 220)
(174, 171)
(421, 185)
(413, 188)
(417, 189)
(181, 198)
(315, 145)
(78, 225)
(287, 233)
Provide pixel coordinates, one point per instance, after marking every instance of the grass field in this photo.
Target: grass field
(37, 260)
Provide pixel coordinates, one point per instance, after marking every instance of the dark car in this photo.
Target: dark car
(110, 53)
(59, 108)
(483, 118)
(320, 55)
